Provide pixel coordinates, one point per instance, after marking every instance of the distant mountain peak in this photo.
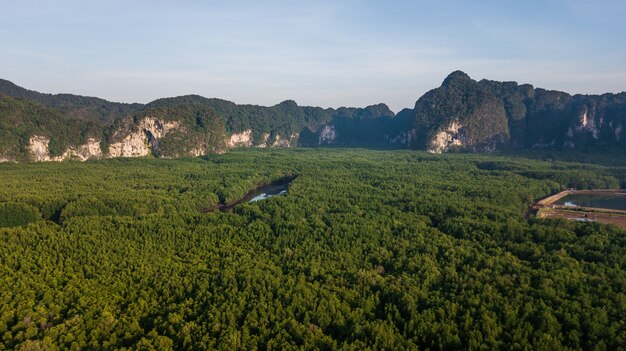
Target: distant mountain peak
(456, 76)
(288, 103)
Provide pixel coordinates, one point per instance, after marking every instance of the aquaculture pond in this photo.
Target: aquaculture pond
(615, 201)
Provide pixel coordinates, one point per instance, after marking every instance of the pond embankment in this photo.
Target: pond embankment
(600, 205)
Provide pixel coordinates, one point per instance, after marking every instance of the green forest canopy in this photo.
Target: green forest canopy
(369, 250)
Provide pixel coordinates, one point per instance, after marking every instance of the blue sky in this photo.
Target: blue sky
(323, 53)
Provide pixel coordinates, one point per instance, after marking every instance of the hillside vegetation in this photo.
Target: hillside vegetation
(461, 115)
(22, 119)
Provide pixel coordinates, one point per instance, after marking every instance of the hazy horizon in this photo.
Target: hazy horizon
(353, 53)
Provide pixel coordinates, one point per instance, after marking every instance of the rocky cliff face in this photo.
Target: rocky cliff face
(39, 149)
(243, 139)
(446, 139)
(596, 121)
(328, 135)
(132, 145)
(286, 141)
(143, 140)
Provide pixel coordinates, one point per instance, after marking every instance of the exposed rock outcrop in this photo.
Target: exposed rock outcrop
(446, 139)
(133, 145)
(264, 141)
(144, 140)
(328, 135)
(243, 139)
(39, 148)
(285, 142)
(89, 150)
(587, 123)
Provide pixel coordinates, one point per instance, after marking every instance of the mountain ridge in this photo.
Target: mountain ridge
(462, 114)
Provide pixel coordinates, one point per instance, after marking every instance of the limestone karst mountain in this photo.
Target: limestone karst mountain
(461, 114)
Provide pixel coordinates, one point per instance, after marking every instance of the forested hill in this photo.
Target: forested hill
(73, 105)
(462, 114)
(488, 115)
(287, 124)
(46, 127)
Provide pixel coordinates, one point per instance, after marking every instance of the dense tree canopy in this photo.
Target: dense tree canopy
(368, 250)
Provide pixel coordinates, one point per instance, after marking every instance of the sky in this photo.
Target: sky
(320, 53)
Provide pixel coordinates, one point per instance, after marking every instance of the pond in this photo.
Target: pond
(265, 192)
(259, 193)
(615, 201)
